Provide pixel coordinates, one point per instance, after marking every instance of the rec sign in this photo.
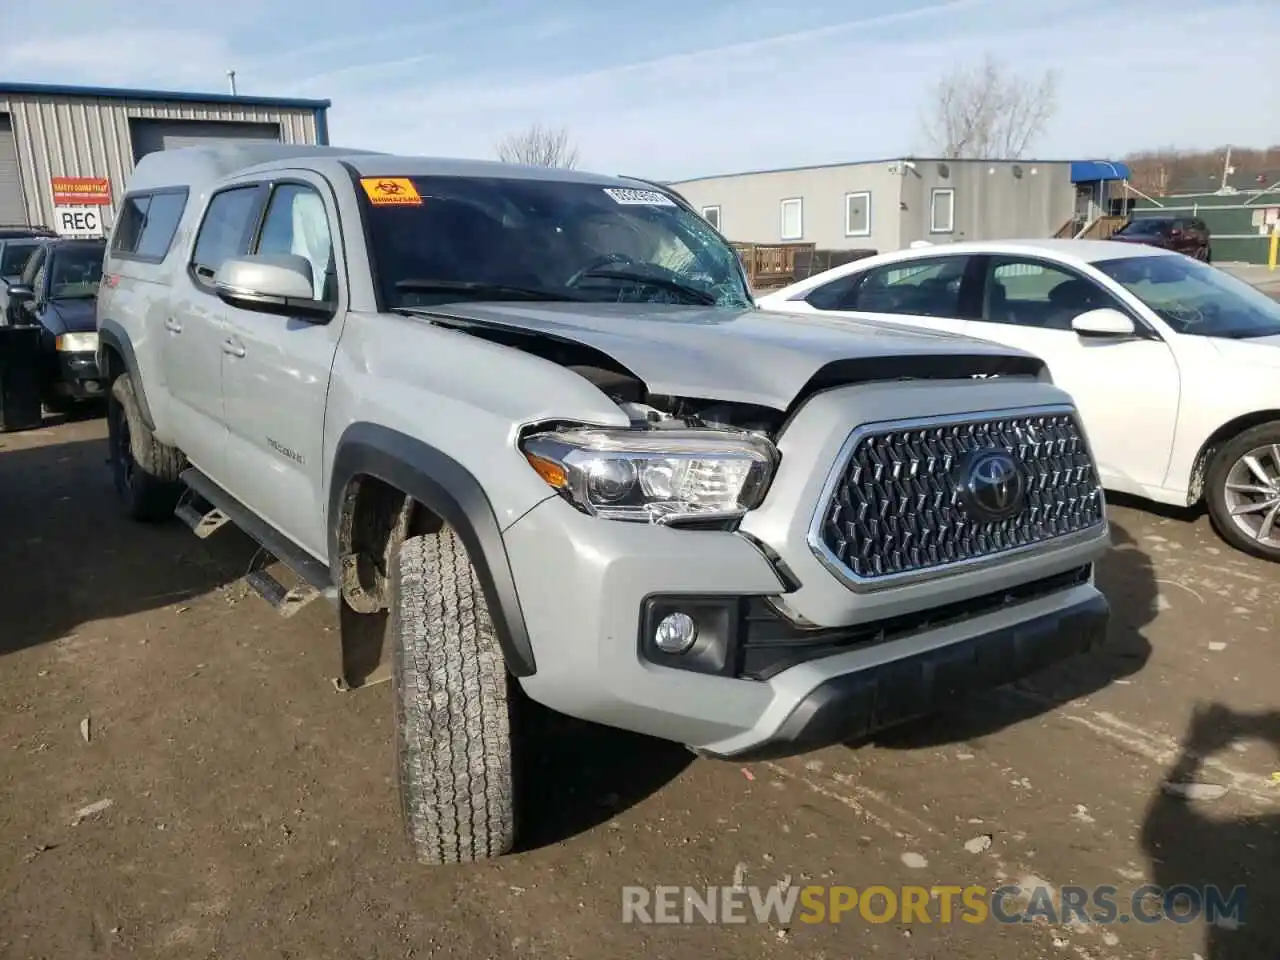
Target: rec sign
(95, 191)
(77, 221)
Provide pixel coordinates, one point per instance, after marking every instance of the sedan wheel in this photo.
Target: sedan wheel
(1253, 493)
(1244, 491)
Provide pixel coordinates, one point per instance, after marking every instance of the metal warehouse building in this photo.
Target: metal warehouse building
(889, 204)
(73, 147)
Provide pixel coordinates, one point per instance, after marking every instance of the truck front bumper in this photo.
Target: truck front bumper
(588, 589)
(853, 705)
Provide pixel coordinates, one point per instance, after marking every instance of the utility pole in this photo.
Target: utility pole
(231, 78)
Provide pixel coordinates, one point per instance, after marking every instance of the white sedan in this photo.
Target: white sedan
(1174, 365)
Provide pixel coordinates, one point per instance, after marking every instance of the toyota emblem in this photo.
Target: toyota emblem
(991, 484)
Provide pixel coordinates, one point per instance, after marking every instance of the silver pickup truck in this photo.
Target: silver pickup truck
(526, 428)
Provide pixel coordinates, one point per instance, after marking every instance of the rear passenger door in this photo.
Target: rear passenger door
(197, 332)
(922, 292)
(276, 376)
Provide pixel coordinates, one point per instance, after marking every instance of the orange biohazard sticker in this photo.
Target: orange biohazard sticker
(382, 190)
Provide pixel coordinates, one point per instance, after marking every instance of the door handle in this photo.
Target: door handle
(233, 347)
(172, 325)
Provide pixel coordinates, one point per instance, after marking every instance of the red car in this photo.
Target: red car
(1187, 235)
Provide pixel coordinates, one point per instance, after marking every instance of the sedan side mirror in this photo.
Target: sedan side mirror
(1103, 322)
(270, 283)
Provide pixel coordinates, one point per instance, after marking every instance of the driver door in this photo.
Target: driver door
(20, 311)
(1126, 388)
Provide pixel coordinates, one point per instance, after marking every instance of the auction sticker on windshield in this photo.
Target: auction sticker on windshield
(639, 198)
(391, 190)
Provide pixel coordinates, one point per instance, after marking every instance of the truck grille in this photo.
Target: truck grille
(898, 503)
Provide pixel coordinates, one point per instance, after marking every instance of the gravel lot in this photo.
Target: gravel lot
(240, 807)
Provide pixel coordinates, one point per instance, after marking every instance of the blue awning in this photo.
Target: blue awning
(1086, 171)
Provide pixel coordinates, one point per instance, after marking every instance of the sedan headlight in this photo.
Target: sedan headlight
(77, 342)
(655, 476)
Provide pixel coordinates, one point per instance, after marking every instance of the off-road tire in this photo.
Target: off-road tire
(145, 471)
(1215, 488)
(453, 706)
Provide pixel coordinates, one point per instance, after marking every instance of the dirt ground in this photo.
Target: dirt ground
(238, 806)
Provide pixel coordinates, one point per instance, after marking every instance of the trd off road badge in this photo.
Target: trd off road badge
(391, 190)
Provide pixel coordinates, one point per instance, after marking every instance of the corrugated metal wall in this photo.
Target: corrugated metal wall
(11, 203)
(72, 137)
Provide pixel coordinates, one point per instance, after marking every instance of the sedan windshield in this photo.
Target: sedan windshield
(447, 239)
(1144, 228)
(1194, 298)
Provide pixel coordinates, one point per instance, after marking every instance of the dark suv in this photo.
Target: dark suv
(1189, 235)
(57, 292)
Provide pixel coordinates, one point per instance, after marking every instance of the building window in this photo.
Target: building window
(712, 216)
(942, 211)
(792, 219)
(857, 214)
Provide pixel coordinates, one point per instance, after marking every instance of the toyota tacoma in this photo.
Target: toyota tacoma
(525, 427)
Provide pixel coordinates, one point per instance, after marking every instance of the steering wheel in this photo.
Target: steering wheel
(601, 261)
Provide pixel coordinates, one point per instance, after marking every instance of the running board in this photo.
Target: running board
(313, 575)
(286, 601)
(203, 525)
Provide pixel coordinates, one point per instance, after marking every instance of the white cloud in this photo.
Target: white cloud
(161, 57)
(640, 96)
(847, 91)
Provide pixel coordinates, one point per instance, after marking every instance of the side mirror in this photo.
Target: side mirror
(270, 283)
(1104, 322)
(21, 292)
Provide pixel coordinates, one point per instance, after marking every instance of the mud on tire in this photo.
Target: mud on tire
(144, 470)
(453, 703)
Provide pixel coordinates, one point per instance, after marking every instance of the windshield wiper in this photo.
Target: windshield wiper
(684, 289)
(484, 291)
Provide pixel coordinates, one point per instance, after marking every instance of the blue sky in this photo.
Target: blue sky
(680, 89)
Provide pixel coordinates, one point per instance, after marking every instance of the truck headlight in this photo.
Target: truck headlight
(77, 342)
(655, 476)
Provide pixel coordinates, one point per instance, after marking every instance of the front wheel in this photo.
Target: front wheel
(1243, 491)
(145, 471)
(453, 706)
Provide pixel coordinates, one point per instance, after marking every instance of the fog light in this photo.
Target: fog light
(676, 633)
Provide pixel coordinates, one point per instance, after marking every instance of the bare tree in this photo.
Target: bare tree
(539, 146)
(988, 111)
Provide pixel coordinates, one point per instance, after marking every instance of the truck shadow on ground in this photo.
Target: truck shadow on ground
(579, 775)
(1126, 577)
(68, 555)
(1190, 848)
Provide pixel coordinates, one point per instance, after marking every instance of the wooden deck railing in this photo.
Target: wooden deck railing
(774, 264)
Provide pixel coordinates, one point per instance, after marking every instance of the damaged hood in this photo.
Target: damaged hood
(744, 356)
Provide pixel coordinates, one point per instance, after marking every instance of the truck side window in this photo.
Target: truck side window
(224, 232)
(296, 223)
(133, 214)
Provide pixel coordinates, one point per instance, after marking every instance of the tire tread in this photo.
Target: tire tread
(452, 704)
